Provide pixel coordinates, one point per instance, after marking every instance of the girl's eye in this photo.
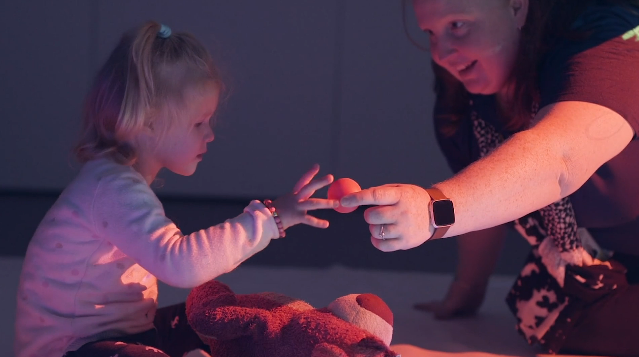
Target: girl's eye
(199, 124)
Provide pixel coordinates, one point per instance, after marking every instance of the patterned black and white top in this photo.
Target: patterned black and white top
(537, 298)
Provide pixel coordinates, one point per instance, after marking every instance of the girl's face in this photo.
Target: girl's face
(475, 40)
(183, 146)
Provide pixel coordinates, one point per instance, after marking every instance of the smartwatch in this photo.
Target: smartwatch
(442, 212)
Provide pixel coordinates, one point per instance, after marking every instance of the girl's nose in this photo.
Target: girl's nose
(209, 135)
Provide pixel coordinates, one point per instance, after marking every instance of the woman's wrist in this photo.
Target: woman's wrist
(472, 285)
(276, 217)
(441, 211)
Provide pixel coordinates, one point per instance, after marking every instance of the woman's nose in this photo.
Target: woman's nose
(441, 51)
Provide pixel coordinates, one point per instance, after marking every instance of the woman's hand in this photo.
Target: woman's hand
(401, 209)
(461, 300)
(292, 207)
(477, 255)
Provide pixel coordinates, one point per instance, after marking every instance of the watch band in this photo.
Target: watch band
(436, 195)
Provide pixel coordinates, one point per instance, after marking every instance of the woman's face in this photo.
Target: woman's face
(475, 40)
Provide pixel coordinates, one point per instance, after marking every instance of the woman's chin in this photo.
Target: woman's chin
(479, 87)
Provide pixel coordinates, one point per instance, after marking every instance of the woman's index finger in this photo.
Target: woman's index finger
(378, 196)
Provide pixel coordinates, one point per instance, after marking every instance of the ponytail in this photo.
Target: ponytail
(139, 77)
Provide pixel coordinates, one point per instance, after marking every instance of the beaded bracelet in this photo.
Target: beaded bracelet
(276, 217)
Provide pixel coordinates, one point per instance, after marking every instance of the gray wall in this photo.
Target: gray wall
(335, 82)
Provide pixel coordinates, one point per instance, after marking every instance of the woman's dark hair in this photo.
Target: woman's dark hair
(547, 22)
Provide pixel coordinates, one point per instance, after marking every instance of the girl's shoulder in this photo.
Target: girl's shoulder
(105, 176)
(104, 168)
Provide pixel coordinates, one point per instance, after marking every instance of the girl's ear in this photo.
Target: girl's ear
(149, 129)
(150, 119)
(146, 136)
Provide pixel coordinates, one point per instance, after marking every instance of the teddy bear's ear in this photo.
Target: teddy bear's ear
(209, 296)
(202, 306)
(328, 350)
(216, 313)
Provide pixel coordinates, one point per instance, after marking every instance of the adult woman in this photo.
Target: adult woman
(536, 116)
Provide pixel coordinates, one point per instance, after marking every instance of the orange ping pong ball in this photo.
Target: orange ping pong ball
(341, 188)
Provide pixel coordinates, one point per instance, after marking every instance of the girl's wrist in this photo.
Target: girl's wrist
(276, 217)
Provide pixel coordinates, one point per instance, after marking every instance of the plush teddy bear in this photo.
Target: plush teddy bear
(271, 324)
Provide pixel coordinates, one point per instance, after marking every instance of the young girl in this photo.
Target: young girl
(89, 281)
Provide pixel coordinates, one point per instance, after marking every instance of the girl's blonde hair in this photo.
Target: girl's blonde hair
(148, 72)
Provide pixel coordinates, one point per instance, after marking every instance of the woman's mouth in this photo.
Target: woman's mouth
(465, 69)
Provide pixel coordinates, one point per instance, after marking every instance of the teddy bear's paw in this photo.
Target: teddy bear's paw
(328, 350)
(196, 353)
(371, 347)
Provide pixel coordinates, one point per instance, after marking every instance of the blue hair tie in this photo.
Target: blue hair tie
(164, 32)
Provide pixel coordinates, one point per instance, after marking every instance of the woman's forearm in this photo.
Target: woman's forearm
(517, 178)
(536, 167)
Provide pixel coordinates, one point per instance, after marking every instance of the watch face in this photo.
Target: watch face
(443, 213)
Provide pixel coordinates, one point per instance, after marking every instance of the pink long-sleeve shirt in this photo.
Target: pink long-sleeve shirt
(92, 266)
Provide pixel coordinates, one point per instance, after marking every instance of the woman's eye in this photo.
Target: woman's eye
(199, 124)
(456, 25)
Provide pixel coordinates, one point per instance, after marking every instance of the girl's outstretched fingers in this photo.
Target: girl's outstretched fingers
(317, 203)
(309, 189)
(315, 222)
(292, 207)
(306, 178)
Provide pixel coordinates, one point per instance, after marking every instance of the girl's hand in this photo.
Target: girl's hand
(402, 209)
(293, 206)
